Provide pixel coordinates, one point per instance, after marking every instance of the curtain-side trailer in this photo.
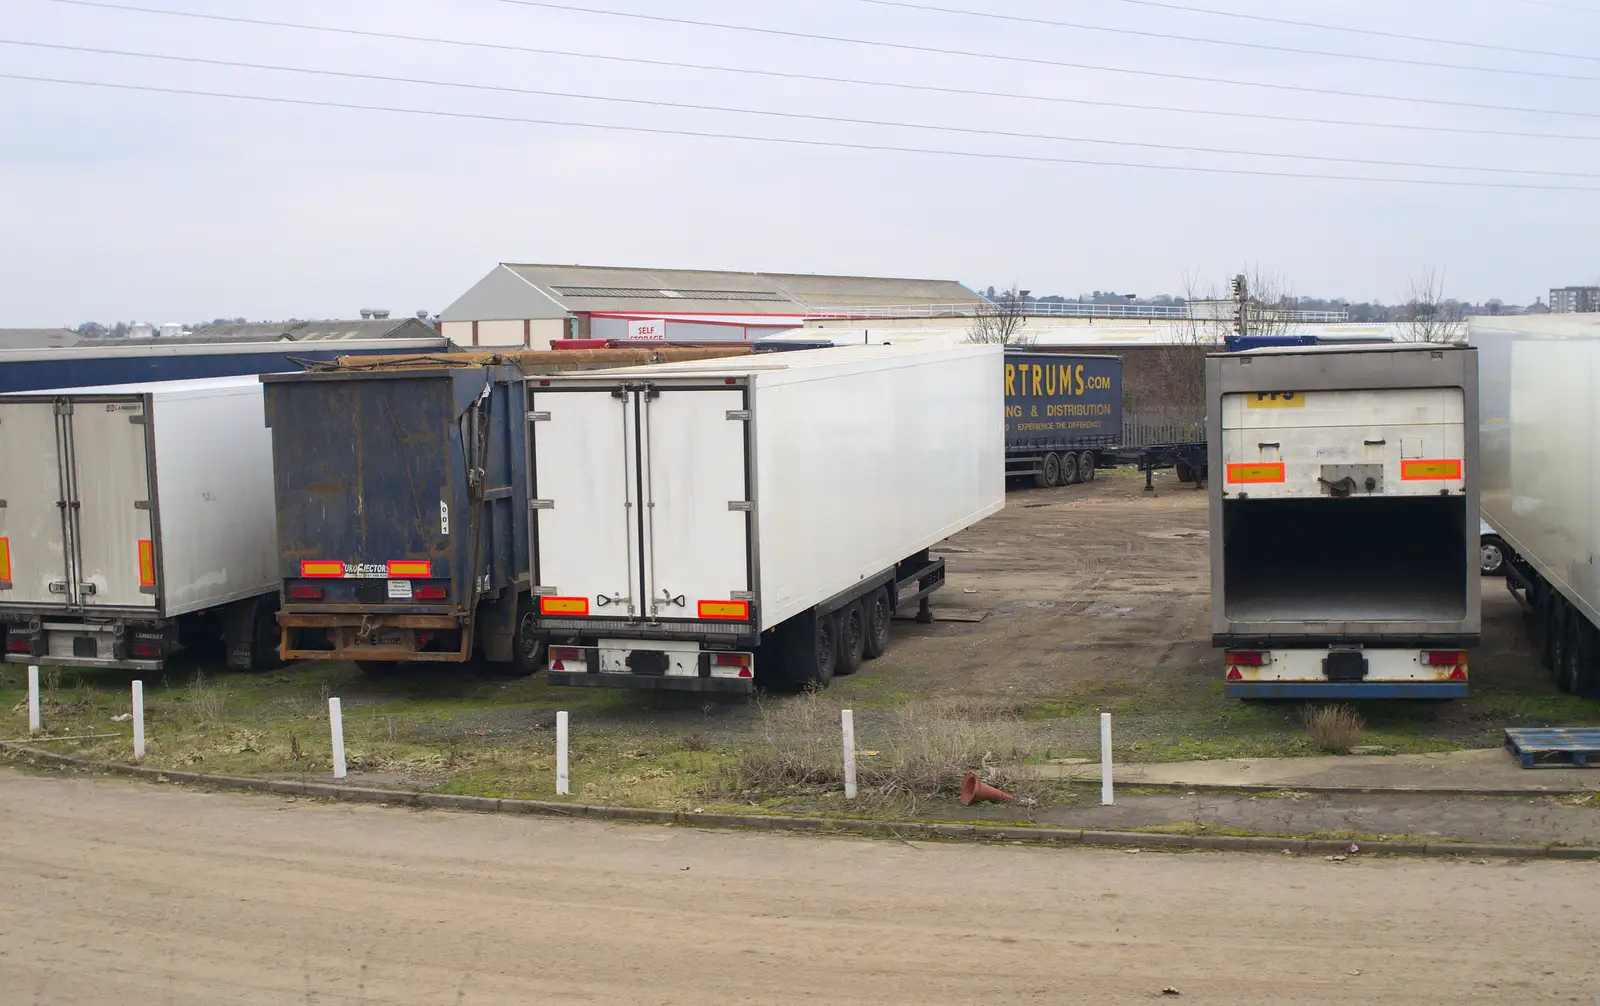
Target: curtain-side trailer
(1541, 489)
(709, 527)
(133, 518)
(1063, 415)
(1344, 520)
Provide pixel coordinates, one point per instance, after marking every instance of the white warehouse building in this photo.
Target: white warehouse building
(532, 305)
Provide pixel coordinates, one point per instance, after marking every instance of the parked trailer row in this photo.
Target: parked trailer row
(704, 525)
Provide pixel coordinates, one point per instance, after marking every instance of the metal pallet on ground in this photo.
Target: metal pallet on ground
(1554, 747)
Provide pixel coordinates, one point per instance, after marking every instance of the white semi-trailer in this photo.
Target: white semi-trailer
(135, 516)
(709, 526)
(1344, 520)
(1541, 479)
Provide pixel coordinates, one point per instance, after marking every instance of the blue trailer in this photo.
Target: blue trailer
(1063, 415)
(403, 515)
(93, 366)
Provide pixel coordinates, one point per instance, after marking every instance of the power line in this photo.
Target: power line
(772, 113)
(1369, 32)
(1233, 43)
(1029, 60)
(795, 141)
(822, 78)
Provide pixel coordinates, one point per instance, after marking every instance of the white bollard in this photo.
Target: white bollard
(1105, 760)
(336, 718)
(562, 782)
(847, 721)
(34, 725)
(138, 721)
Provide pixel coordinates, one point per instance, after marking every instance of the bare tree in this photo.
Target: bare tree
(1428, 316)
(999, 321)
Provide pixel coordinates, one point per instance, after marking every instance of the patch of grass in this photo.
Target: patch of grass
(1333, 728)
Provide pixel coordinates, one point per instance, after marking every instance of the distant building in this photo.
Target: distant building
(311, 331)
(1574, 299)
(532, 305)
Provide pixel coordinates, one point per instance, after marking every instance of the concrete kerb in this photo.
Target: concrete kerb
(1211, 789)
(931, 830)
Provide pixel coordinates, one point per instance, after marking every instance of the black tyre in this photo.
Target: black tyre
(852, 638)
(265, 636)
(1049, 475)
(825, 651)
(1069, 469)
(1574, 653)
(1086, 463)
(528, 644)
(1556, 633)
(876, 617)
(1183, 471)
(1491, 556)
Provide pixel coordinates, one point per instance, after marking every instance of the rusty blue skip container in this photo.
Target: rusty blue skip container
(400, 535)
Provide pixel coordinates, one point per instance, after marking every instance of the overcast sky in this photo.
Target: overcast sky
(120, 204)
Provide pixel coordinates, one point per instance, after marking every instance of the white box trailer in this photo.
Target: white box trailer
(708, 526)
(1541, 479)
(1344, 523)
(135, 515)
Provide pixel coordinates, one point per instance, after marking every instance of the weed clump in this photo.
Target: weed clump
(1333, 728)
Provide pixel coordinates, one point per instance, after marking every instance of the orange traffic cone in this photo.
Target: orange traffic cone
(975, 791)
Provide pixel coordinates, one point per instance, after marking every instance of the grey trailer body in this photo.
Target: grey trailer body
(1344, 519)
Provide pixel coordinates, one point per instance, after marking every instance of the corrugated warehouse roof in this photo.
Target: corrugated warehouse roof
(516, 290)
(38, 338)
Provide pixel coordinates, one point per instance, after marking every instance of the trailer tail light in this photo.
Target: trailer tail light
(737, 611)
(559, 655)
(1444, 658)
(305, 593)
(732, 659)
(20, 640)
(430, 593)
(563, 605)
(1246, 658)
(145, 649)
(147, 563)
(5, 563)
(409, 567)
(321, 568)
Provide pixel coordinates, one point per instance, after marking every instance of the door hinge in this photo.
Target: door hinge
(544, 591)
(141, 504)
(541, 504)
(746, 505)
(63, 407)
(741, 595)
(538, 417)
(137, 420)
(2, 504)
(739, 415)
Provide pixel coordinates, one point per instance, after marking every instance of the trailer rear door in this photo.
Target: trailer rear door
(33, 553)
(585, 488)
(117, 551)
(697, 562)
(641, 503)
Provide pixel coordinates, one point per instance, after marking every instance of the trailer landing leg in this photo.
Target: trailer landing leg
(924, 612)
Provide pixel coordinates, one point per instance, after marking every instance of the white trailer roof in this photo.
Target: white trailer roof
(195, 386)
(795, 361)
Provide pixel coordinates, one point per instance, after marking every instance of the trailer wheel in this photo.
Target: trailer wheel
(266, 637)
(876, 616)
(1181, 469)
(852, 638)
(1049, 472)
(1556, 630)
(1069, 469)
(825, 651)
(1086, 466)
(528, 644)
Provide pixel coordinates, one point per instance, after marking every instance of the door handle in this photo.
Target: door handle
(667, 598)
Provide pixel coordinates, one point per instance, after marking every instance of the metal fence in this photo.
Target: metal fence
(1144, 430)
(1069, 309)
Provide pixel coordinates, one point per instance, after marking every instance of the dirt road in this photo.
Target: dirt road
(114, 892)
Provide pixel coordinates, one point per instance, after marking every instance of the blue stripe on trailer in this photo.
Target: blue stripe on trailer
(1354, 690)
(1560, 747)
